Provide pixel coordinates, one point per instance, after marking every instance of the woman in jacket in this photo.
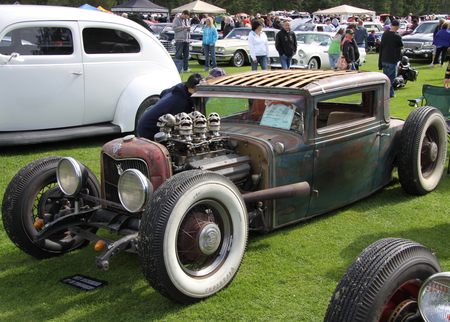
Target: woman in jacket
(258, 45)
(350, 50)
(442, 43)
(210, 37)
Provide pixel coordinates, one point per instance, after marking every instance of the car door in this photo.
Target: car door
(346, 149)
(113, 57)
(41, 85)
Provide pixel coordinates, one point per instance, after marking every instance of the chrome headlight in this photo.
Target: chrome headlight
(71, 176)
(134, 190)
(427, 44)
(301, 53)
(220, 50)
(434, 298)
(190, 47)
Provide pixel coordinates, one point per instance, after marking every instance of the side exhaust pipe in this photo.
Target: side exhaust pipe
(300, 189)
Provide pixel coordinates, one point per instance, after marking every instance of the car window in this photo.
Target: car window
(270, 35)
(38, 41)
(346, 109)
(105, 41)
(271, 113)
(425, 28)
(238, 33)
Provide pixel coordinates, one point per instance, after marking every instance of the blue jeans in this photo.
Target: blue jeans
(210, 50)
(262, 61)
(285, 61)
(390, 70)
(182, 52)
(333, 59)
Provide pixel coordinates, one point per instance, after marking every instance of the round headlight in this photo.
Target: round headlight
(301, 53)
(71, 176)
(134, 190)
(220, 50)
(434, 298)
(190, 47)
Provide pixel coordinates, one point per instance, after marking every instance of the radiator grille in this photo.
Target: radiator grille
(111, 169)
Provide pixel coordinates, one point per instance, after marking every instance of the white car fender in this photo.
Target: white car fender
(136, 92)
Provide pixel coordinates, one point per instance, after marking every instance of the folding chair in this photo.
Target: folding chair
(438, 97)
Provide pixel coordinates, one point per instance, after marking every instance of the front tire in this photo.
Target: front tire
(313, 63)
(238, 59)
(193, 236)
(34, 194)
(382, 282)
(423, 151)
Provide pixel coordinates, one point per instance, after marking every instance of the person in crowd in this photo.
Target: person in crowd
(361, 35)
(371, 39)
(173, 100)
(195, 20)
(203, 20)
(438, 27)
(228, 27)
(387, 21)
(442, 43)
(181, 27)
(390, 53)
(350, 50)
(247, 20)
(334, 21)
(334, 51)
(286, 45)
(277, 23)
(239, 21)
(329, 26)
(210, 37)
(447, 77)
(258, 46)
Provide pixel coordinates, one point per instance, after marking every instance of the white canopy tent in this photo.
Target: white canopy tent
(199, 6)
(344, 11)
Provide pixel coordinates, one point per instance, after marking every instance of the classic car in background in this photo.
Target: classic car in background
(263, 150)
(233, 48)
(312, 51)
(165, 34)
(68, 73)
(395, 280)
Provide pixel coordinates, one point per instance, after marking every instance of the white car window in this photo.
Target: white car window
(38, 41)
(104, 41)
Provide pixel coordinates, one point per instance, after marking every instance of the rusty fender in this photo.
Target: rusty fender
(299, 189)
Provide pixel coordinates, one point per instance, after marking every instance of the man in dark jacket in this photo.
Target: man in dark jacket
(174, 100)
(286, 45)
(390, 53)
(350, 50)
(228, 27)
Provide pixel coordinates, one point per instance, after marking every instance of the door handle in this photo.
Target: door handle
(77, 73)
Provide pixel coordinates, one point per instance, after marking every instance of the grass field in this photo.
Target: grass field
(287, 275)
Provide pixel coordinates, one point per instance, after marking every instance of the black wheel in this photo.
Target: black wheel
(145, 105)
(313, 63)
(201, 62)
(34, 194)
(382, 283)
(238, 59)
(422, 151)
(193, 236)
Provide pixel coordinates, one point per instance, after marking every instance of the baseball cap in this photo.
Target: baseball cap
(217, 72)
(395, 23)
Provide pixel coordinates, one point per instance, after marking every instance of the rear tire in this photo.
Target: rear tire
(383, 279)
(144, 107)
(423, 151)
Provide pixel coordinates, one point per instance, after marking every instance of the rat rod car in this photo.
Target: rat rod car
(395, 280)
(277, 147)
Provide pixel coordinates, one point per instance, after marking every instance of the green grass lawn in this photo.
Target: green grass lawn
(287, 275)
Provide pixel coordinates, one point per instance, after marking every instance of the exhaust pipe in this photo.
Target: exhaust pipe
(299, 189)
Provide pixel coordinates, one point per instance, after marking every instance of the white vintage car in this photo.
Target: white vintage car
(312, 51)
(233, 48)
(69, 73)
